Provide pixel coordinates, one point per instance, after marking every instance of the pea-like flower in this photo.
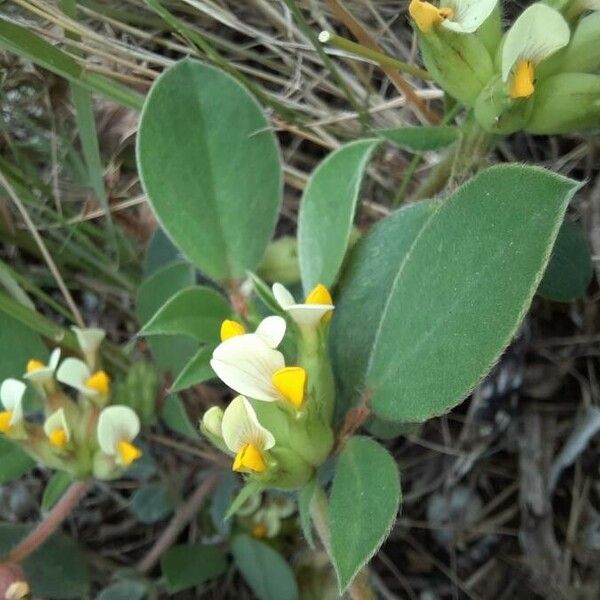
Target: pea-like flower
(250, 365)
(77, 374)
(538, 32)
(118, 426)
(11, 395)
(459, 16)
(40, 373)
(89, 340)
(271, 330)
(316, 308)
(245, 437)
(57, 429)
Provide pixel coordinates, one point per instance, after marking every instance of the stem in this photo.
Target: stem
(181, 518)
(51, 523)
(342, 43)
(360, 588)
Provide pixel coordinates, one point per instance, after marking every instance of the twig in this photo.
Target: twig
(50, 524)
(181, 518)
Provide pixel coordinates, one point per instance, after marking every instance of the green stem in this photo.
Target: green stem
(337, 41)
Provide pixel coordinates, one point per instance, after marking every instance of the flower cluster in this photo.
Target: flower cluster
(278, 429)
(524, 78)
(83, 437)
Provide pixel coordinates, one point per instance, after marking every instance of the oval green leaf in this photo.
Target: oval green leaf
(570, 269)
(195, 311)
(209, 163)
(416, 331)
(327, 212)
(198, 370)
(265, 570)
(365, 498)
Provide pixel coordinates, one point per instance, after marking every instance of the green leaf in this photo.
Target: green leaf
(570, 269)
(305, 499)
(420, 139)
(57, 485)
(175, 416)
(327, 212)
(436, 291)
(153, 502)
(171, 353)
(265, 295)
(56, 570)
(189, 565)
(124, 590)
(160, 253)
(365, 497)
(265, 570)
(14, 461)
(209, 162)
(196, 311)
(198, 370)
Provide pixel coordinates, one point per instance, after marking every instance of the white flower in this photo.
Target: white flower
(317, 306)
(251, 367)
(459, 16)
(57, 429)
(11, 395)
(212, 420)
(538, 33)
(75, 373)
(271, 330)
(38, 372)
(89, 341)
(117, 428)
(246, 437)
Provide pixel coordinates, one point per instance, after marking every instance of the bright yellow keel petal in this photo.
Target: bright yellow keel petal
(231, 329)
(427, 15)
(290, 382)
(522, 84)
(249, 458)
(5, 417)
(128, 452)
(34, 365)
(58, 438)
(259, 531)
(319, 295)
(99, 382)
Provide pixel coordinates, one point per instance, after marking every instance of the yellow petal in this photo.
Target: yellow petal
(34, 365)
(319, 295)
(5, 417)
(249, 458)
(231, 329)
(128, 452)
(259, 530)
(100, 382)
(426, 15)
(58, 438)
(290, 381)
(522, 85)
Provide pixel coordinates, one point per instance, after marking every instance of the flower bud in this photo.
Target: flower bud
(139, 391)
(280, 262)
(566, 102)
(13, 585)
(461, 64)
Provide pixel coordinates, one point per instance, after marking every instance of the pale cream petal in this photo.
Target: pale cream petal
(11, 394)
(309, 314)
(283, 296)
(241, 427)
(212, 420)
(89, 339)
(116, 424)
(74, 373)
(272, 330)
(57, 420)
(469, 15)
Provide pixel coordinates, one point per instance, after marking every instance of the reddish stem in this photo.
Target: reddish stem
(51, 523)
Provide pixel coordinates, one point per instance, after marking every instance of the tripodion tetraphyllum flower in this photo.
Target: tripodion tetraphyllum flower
(118, 426)
(38, 372)
(245, 437)
(250, 366)
(316, 308)
(538, 32)
(271, 330)
(75, 373)
(57, 429)
(11, 395)
(459, 16)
